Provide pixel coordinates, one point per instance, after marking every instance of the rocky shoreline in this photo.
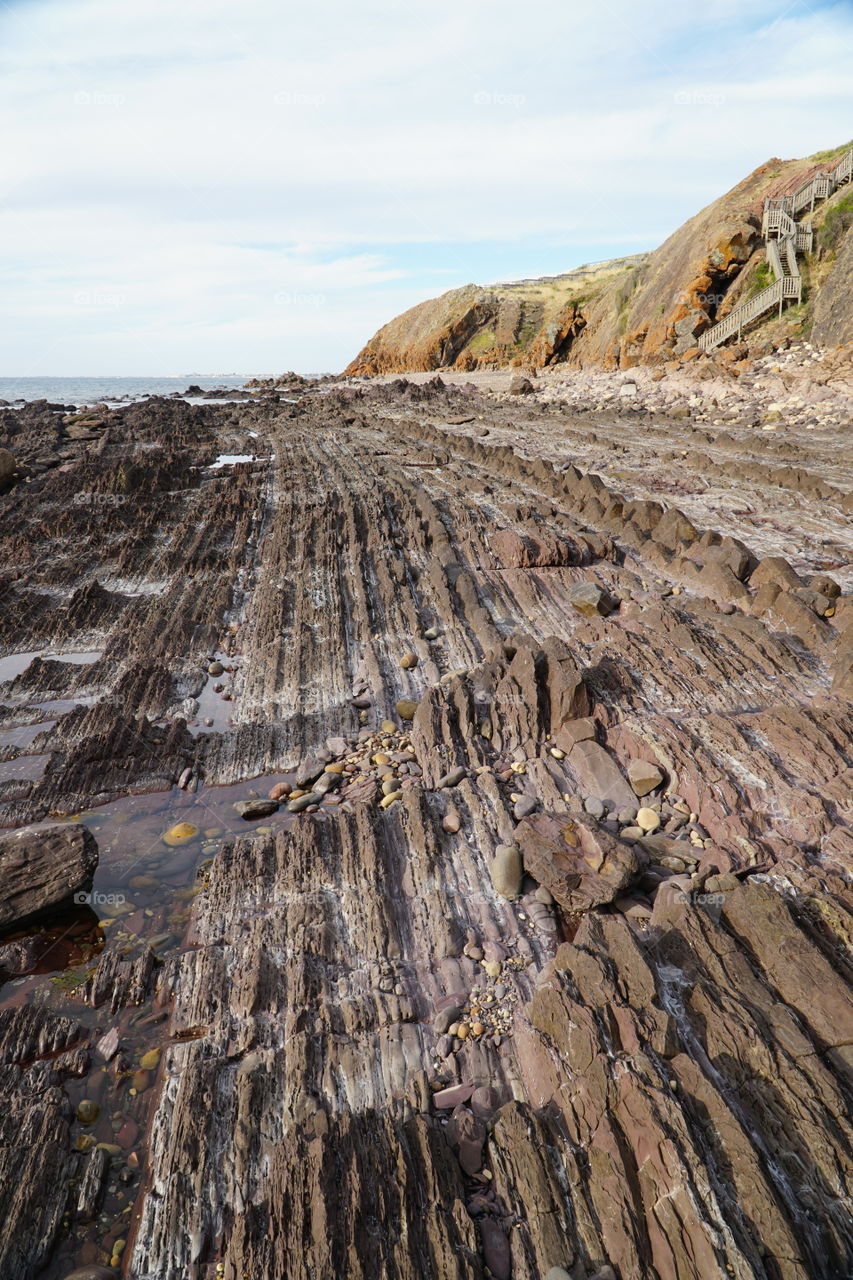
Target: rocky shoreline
(522, 719)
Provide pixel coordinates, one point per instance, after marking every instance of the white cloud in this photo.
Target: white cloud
(186, 168)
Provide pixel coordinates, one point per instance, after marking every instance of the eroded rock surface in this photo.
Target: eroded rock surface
(631, 1058)
(41, 867)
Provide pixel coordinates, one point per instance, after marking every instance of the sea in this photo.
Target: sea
(80, 391)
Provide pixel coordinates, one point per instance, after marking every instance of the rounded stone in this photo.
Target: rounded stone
(506, 870)
(254, 810)
(406, 708)
(88, 1111)
(180, 833)
(648, 820)
(594, 807)
(215, 669)
(408, 661)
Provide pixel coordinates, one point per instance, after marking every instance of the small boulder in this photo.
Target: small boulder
(448, 1099)
(42, 867)
(521, 386)
(580, 863)
(8, 470)
(644, 776)
(590, 600)
(406, 708)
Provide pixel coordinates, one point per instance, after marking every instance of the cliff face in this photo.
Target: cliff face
(639, 310)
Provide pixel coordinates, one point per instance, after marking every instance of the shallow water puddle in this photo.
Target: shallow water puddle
(22, 735)
(24, 768)
(231, 459)
(215, 710)
(15, 664)
(141, 898)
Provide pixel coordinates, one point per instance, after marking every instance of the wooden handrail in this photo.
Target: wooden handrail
(783, 236)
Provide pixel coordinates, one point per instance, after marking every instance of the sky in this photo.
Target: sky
(252, 186)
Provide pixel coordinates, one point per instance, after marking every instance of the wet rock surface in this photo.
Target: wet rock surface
(42, 867)
(537, 960)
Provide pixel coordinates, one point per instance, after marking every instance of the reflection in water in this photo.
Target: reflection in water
(15, 664)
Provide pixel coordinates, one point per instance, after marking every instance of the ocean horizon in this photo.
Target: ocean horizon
(92, 390)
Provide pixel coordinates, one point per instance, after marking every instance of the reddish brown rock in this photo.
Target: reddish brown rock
(581, 865)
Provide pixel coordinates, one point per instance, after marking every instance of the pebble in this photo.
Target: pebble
(594, 807)
(446, 1019)
(88, 1111)
(451, 822)
(525, 806)
(180, 833)
(408, 661)
(150, 1060)
(251, 810)
(451, 779)
(301, 802)
(406, 708)
(506, 870)
(215, 669)
(280, 790)
(388, 800)
(648, 820)
(492, 968)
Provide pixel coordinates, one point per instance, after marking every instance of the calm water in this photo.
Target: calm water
(94, 390)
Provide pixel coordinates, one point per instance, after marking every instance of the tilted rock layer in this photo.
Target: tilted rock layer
(376, 1061)
(630, 311)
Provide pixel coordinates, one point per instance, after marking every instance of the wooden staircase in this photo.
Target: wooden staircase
(784, 237)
